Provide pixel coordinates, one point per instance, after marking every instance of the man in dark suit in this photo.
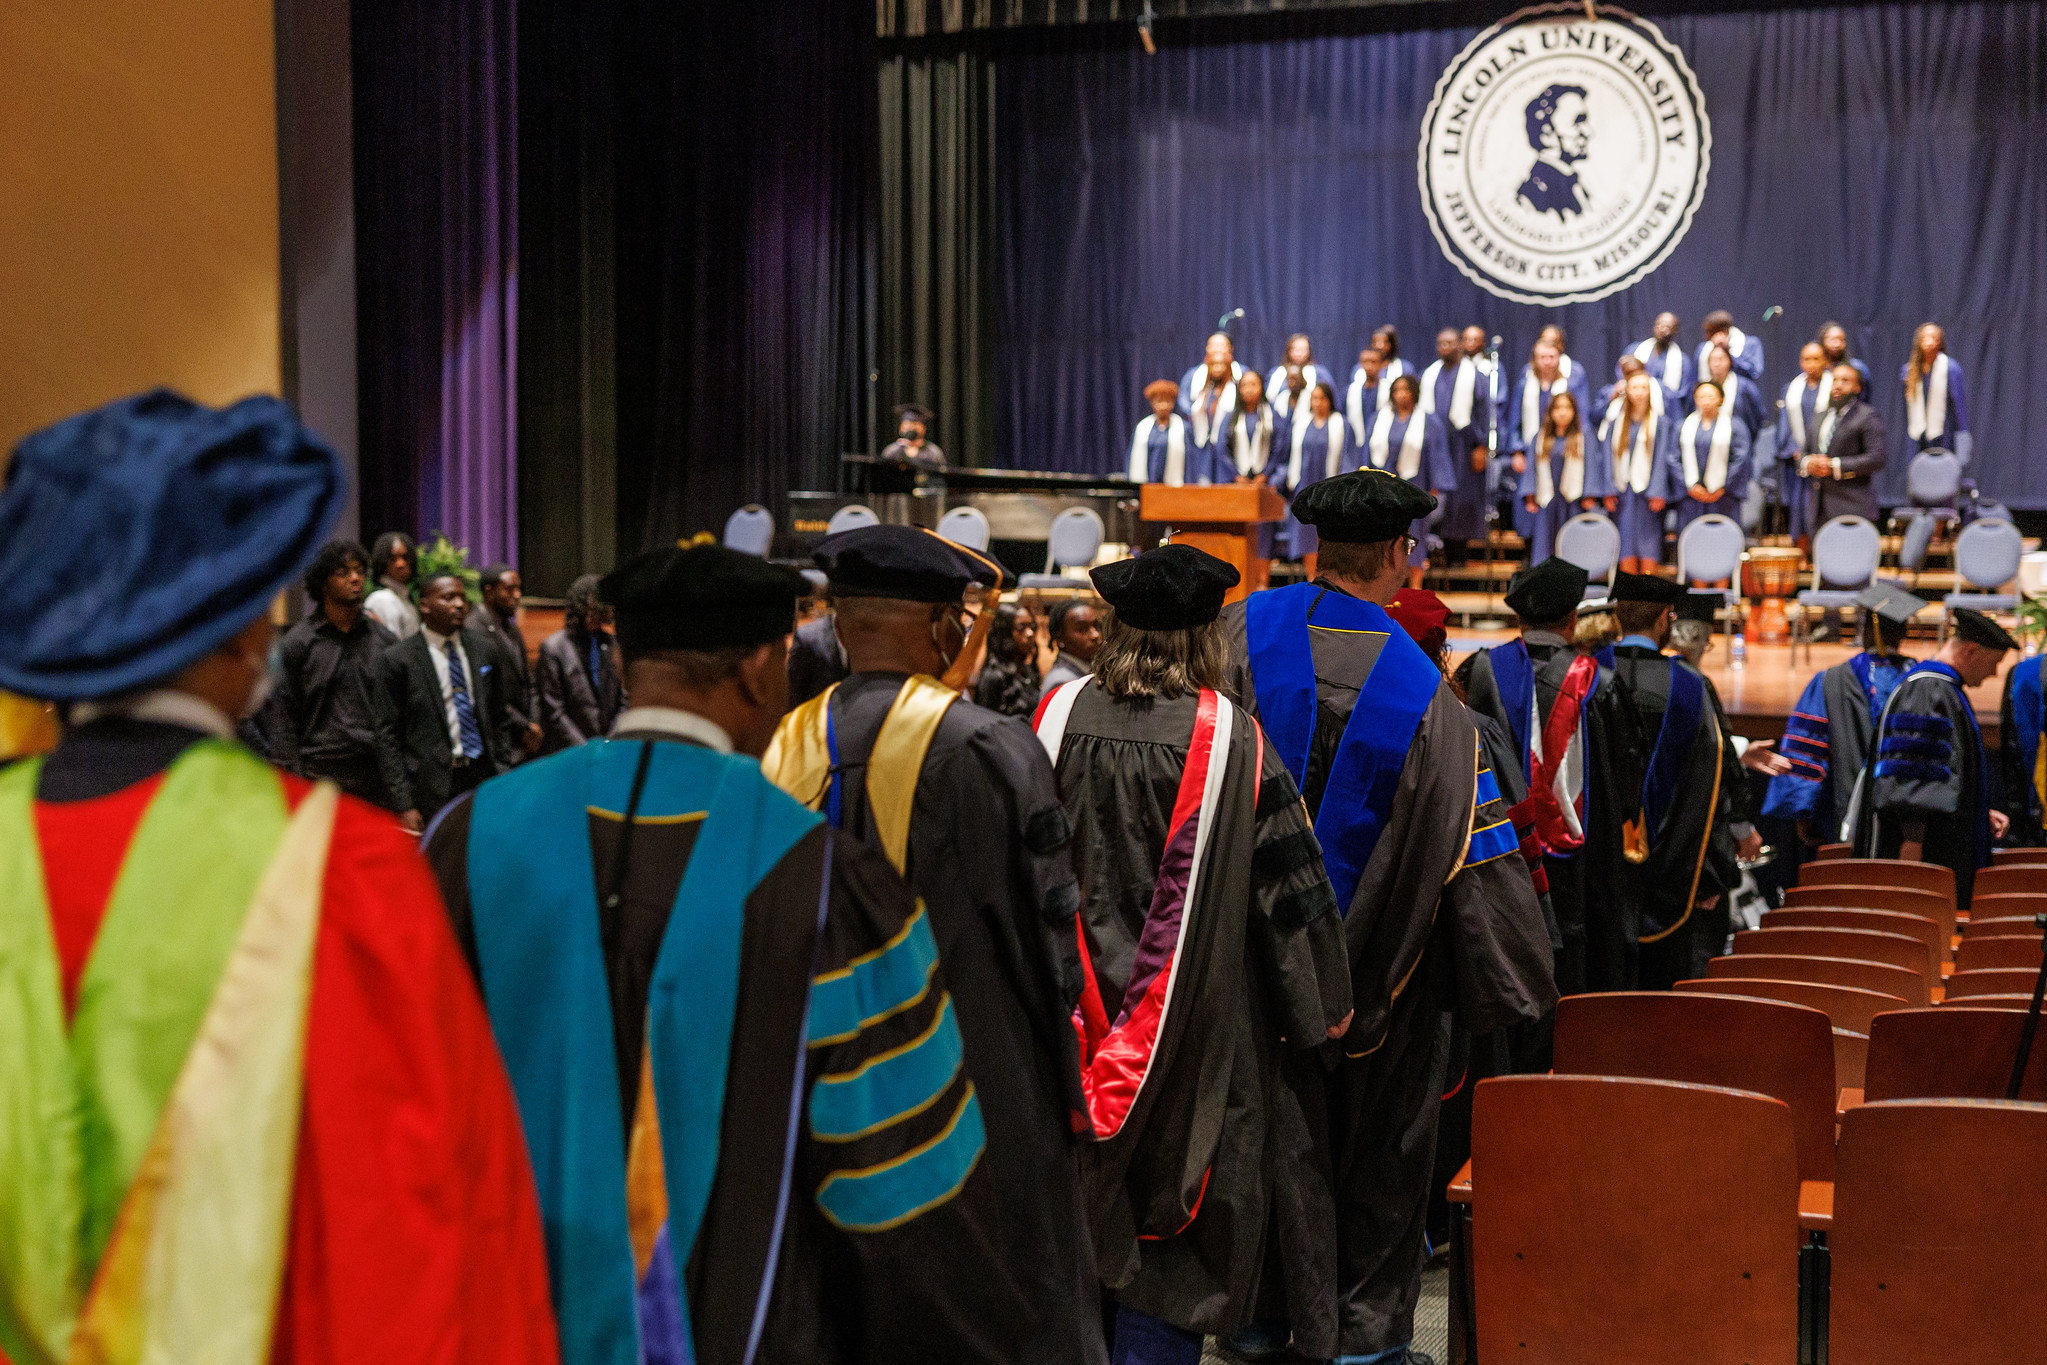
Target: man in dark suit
(445, 710)
(497, 616)
(1848, 452)
(576, 680)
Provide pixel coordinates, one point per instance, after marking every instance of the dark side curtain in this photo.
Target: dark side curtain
(1873, 164)
(937, 230)
(437, 252)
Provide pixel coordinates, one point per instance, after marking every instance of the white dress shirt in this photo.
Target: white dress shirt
(437, 650)
(668, 720)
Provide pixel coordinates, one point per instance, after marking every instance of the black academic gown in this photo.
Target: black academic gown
(1262, 976)
(1428, 934)
(1930, 780)
(1594, 892)
(988, 855)
(1681, 869)
(943, 1286)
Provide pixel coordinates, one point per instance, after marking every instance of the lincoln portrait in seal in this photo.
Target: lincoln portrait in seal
(1560, 131)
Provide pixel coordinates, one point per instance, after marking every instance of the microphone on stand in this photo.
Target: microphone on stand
(1222, 324)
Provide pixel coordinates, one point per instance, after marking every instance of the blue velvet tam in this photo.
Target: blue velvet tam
(138, 537)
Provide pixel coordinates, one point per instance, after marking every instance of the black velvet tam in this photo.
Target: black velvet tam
(1362, 507)
(1546, 592)
(1174, 587)
(701, 597)
(903, 562)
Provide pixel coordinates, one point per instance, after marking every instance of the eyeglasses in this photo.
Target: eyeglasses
(1407, 545)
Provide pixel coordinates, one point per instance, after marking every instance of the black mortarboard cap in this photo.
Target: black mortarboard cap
(903, 562)
(1647, 587)
(700, 597)
(1891, 601)
(1979, 629)
(1361, 507)
(1175, 587)
(1546, 592)
(1699, 606)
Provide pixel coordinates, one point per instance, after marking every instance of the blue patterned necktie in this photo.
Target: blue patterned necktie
(465, 712)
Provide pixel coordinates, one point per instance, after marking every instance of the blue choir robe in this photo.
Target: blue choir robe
(1386, 447)
(1798, 435)
(1931, 422)
(1362, 401)
(1743, 397)
(1532, 397)
(1645, 462)
(1282, 398)
(1207, 420)
(2024, 774)
(1735, 480)
(1561, 488)
(1827, 739)
(1746, 352)
(1153, 448)
(1675, 372)
(1314, 450)
(1248, 447)
(1464, 503)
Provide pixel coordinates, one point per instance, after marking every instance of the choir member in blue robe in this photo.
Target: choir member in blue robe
(1928, 796)
(1253, 444)
(1608, 405)
(1638, 445)
(2024, 716)
(1413, 445)
(1833, 340)
(1709, 469)
(1804, 408)
(1316, 446)
(1746, 350)
(1663, 356)
(1386, 340)
(1827, 737)
(1491, 385)
(1453, 389)
(1739, 394)
(1548, 372)
(1563, 478)
(1936, 412)
(1162, 449)
(1370, 390)
(1208, 391)
(1294, 378)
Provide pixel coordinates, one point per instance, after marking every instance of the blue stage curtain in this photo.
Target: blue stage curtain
(1876, 165)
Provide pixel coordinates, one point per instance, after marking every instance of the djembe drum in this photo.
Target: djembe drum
(1774, 571)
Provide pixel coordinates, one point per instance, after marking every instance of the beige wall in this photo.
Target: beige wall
(138, 203)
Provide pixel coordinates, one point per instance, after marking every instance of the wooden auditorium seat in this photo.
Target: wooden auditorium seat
(1993, 981)
(2007, 905)
(2004, 926)
(1867, 945)
(1939, 1259)
(1954, 1051)
(1901, 900)
(1883, 921)
(1741, 1043)
(1880, 872)
(1980, 951)
(1846, 1007)
(1909, 986)
(2001, 856)
(1829, 852)
(1633, 1220)
(2024, 878)
(1851, 1063)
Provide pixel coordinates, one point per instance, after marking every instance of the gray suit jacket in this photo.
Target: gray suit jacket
(1858, 442)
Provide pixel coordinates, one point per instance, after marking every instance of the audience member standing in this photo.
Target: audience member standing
(393, 560)
(447, 707)
(1077, 634)
(577, 678)
(328, 680)
(497, 616)
(1010, 681)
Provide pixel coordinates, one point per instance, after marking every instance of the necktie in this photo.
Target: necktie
(465, 712)
(1827, 431)
(595, 662)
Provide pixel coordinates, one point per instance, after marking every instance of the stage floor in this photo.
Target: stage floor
(1759, 697)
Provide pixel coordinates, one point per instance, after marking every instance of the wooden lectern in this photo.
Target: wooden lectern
(1221, 519)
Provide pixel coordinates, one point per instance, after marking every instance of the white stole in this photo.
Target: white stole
(1617, 406)
(1794, 403)
(1410, 441)
(1926, 408)
(1223, 408)
(1573, 480)
(1175, 472)
(1460, 393)
(1737, 342)
(1631, 465)
(1282, 397)
(1716, 454)
(1533, 407)
(1330, 466)
(1253, 450)
(1673, 363)
(1354, 402)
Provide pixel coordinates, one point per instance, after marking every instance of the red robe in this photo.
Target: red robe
(415, 1232)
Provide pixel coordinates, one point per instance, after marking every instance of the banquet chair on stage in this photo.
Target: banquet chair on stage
(1986, 561)
(750, 530)
(967, 526)
(1075, 538)
(1844, 559)
(851, 517)
(1708, 553)
(1933, 487)
(1591, 541)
